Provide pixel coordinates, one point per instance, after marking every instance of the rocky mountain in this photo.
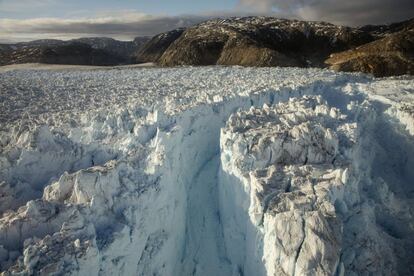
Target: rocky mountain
(38, 43)
(381, 50)
(92, 51)
(153, 49)
(121, 48)
(71, 53)
(380, 31)
(260, 41)
(267, 41)
(391, 55)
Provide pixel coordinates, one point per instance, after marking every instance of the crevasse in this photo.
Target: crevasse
(189, 194)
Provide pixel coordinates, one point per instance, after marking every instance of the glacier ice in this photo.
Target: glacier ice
(205, 171)
(294, 166)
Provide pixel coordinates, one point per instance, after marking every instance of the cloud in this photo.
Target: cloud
(124, 25)
(345, 12)
(19, 5)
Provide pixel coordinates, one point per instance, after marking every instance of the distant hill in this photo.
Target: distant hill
(380, 31)
(82, 51)
(71, 53)
(122, 48)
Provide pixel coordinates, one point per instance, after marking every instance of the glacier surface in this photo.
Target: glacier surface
(206, 171)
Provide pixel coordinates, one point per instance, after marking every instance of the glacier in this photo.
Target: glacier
(206, 171)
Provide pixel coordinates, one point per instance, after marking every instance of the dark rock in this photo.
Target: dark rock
(155, 47)
(73, 53)
(125, 49)
(267, 41)
(389, 56)
(102, 51)
(380, 31)
(260, 41)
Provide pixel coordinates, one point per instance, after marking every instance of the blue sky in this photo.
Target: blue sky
(24, 20)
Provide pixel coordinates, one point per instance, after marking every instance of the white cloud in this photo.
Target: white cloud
(123, 25)
(19, 5)
(346, 12)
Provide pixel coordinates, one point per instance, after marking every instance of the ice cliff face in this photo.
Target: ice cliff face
(206, 171)
(294, 163)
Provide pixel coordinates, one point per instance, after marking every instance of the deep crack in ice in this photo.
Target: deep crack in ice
(205, 171)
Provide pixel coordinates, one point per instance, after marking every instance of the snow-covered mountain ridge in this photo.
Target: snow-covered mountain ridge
(205, 171)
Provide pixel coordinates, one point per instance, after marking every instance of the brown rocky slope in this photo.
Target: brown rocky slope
(267, 41)
(261, 41)
(391, 55)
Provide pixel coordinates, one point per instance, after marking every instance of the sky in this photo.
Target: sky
(24, 20)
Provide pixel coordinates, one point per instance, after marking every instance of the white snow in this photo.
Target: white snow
(205, 171)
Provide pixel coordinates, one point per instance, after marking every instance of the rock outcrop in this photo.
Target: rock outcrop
(154, 48)
(260, 41)
(391, 55)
